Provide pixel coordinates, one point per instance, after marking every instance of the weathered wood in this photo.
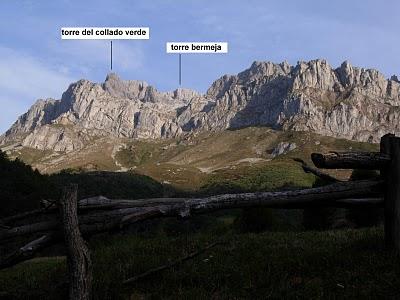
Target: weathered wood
(78, 255)
(132, 211)
(351, 160)
(101, 202)
(28, 251)
(28, 229)
(359, 202)
(342, 194)
(385, 149)
(315, 171)
(171, 264)
(391, 144)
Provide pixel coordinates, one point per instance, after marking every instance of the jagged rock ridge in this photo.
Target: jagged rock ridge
(347, 102)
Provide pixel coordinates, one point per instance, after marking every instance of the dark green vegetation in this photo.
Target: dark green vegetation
(21, 188)
(269, 176)
(109, 184)
(264, 253)
(348, 264)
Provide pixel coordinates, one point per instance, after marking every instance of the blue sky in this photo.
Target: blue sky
(35, 63)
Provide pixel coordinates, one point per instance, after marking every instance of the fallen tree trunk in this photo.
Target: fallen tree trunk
(360, 202)
(351, 160)
(28, 229)
(29, 250)
(100, 202)
(124, 212)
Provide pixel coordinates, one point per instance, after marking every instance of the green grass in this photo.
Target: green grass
(295, 265)
(266, 177)
(350, 264)
(35, 279)
(31, 155)
(119, 185)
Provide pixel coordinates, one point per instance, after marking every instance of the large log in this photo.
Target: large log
(351, 160)
(78, 255)
(28, 229)
(29, 250)
(102, 202)
(391, 145)
(122, 212)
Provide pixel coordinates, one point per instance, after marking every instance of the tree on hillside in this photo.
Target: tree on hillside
(21, 188)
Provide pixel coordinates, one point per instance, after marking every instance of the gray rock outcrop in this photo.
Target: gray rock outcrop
(346, 102)
(283, 148)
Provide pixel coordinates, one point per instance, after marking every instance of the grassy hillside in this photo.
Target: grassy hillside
(268, 176)
(187, 163)
(349, 264)
(277, 263)
(22, 188)
(110, 184)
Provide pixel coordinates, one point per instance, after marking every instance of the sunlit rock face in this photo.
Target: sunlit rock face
(346, 102)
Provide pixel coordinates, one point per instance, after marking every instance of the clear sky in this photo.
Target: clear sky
(36, 63)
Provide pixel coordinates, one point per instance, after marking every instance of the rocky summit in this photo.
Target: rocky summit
(346, 102)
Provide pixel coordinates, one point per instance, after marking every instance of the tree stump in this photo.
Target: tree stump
(391, 145)
(78, 255)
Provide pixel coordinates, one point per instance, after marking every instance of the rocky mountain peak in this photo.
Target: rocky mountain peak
(182, 93)
(347, 102)
(395, 78)
(112, 76)
(131, 89)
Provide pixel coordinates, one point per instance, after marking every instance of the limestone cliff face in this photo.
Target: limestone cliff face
(347, 102)
(131, 109)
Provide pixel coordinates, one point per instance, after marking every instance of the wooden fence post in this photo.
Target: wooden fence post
(391, 145)
(78, 255)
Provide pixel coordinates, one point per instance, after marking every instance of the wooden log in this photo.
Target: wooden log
(28, 229)
(335, 195)
(102, 202)
(29, 250)
(324, 196)
(391, 144)
(133, 211)
(315, 171)
(351, 160)
(78, 255)
(359, 202)
(385, 149)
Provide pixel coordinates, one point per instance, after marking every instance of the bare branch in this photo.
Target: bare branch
(170, 265)
(28, 251)
(315, 171)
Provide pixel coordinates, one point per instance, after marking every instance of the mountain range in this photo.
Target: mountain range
(346, 102)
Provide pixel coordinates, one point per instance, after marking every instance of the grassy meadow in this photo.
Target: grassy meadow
(342, 264)
(262, 254)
